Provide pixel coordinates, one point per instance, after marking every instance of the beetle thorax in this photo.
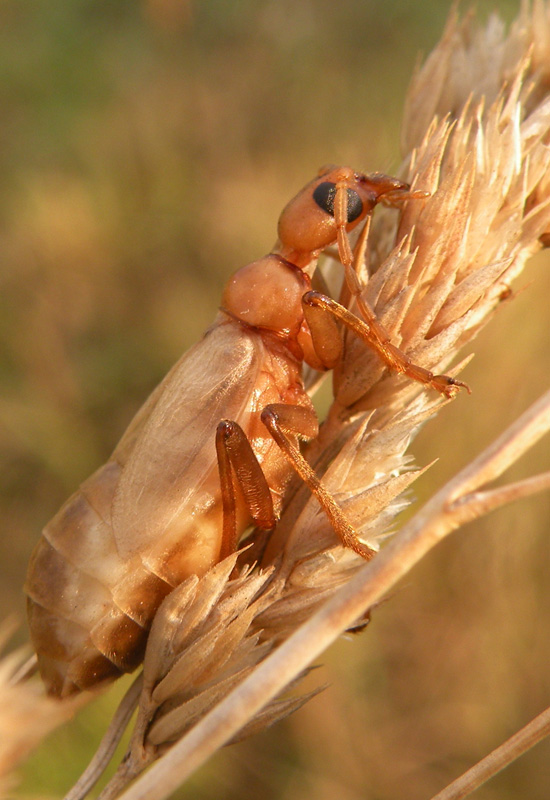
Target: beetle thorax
(267, 294)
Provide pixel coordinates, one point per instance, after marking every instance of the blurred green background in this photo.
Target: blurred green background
(146, 150)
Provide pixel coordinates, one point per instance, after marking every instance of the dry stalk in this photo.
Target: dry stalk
(26, 715)
(223, 648)
(514, 747)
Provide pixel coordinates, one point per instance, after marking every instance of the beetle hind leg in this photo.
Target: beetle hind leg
(237, 459)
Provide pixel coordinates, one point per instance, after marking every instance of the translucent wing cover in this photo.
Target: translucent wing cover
(169, 471)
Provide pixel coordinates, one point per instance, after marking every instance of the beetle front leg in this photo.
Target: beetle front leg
(286, 421)
(375, 336)
(235, 456)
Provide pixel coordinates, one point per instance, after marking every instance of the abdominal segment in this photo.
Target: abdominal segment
(89, 609)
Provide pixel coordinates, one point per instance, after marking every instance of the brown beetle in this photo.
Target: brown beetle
(211, 450)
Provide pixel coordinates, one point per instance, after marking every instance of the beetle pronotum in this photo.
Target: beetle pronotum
(213, 447)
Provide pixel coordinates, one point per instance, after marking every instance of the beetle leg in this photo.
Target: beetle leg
(325, 333)
(236, 457)
(285, 422)
(376, 337)
(366, 326)
(341, 220)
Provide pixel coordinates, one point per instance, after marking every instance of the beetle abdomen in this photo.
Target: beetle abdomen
(89, 610)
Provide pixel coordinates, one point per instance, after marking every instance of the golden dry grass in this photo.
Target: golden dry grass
(434, 668)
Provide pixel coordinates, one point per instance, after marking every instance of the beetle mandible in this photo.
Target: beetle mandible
(213, 447)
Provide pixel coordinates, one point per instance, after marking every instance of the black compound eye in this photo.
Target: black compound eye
(355, 205)
(324, 197)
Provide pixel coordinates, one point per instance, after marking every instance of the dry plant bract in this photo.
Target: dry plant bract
(26, 715)
(476, 133)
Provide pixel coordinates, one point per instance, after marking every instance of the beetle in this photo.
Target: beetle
(212, 449)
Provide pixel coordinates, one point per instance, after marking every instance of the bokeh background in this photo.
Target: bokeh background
(146, 150)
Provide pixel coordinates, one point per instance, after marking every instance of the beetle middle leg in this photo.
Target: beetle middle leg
(285, 422)
(235, 456)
